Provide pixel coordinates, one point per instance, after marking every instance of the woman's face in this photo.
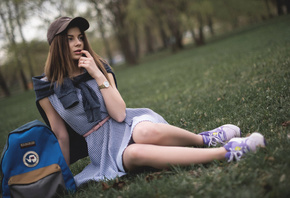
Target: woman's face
(75, 41)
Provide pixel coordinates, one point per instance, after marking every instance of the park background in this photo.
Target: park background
(217, 62)
(122, 31)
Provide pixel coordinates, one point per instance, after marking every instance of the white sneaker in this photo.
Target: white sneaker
(221, 134)
(237, 147)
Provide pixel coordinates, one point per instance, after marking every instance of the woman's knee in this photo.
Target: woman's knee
(133, 156)
(147, 132)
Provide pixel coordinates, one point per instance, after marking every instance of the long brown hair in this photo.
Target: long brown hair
(59, 63)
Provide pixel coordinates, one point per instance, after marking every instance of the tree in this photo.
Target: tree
(287, 4)
(141, 17)
(3, 85)
(19, 24)
(170, 11)
(280, 4)
(7, 16)
(101, 27)
(14, 14)
(118, 9)
(199, 12)
(162, 32)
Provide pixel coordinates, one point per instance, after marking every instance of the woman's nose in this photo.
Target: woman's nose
(78, 42)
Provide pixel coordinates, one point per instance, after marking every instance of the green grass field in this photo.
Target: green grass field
(243, 79)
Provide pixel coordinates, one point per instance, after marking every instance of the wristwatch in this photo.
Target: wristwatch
(105, 84)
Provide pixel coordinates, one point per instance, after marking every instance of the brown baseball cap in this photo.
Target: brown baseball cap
(60, 24)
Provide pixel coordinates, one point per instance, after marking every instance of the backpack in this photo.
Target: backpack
(32, 164)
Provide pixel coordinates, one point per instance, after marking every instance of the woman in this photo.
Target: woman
(78, 90)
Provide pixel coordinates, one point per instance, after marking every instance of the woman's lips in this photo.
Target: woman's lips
(77, 51)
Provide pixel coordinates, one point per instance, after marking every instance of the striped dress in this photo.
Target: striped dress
(107, 144)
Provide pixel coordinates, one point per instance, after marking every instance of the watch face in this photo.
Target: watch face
(107, 84)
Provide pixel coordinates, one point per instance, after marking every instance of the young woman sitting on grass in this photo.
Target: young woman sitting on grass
(78, 89)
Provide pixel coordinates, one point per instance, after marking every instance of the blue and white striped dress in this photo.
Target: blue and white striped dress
(107, 144)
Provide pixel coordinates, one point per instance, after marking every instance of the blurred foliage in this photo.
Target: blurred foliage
(129, 28)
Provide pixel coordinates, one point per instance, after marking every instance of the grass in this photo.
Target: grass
(242, 79)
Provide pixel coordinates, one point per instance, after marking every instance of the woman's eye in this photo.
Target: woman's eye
(81, 38)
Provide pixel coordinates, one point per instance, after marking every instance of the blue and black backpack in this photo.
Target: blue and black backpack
(32, 164)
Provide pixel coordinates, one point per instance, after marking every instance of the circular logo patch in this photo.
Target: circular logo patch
(30, 159)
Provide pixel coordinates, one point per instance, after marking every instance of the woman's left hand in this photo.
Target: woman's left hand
(87, 62)
(114, 102)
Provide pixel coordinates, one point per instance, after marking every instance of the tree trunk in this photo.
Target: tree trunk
(200, 30)
(287, 3)
(268, 8)
(149, 39)
(136, 40)
(156, 8)
(210, 24)
(26, 51)
(194, 37)
(102, 31)
(162, 33)
(4, 85)
(173, 25)
(124, 42)
(179, 39)
(9, 31)
(22, 76)
(279, 6)
(118, 10)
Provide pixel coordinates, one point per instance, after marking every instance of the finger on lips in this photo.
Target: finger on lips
(86, 53)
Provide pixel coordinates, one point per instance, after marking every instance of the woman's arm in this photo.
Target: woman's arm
(58, 127)
(114, 102)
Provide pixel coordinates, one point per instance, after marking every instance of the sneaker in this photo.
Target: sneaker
(220, 135)
(237, 147)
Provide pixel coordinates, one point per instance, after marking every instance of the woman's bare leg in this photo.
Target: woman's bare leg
(164, 134)
(138, 155)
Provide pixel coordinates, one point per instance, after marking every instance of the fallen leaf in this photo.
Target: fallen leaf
(150, 177)
(285, 124)
(194, 173)
(119, 185)
(282, 178)
(270, 158)
(105, 186)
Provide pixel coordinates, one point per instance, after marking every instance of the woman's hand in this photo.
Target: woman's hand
(87, 62)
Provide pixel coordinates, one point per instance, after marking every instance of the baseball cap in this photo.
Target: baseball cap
(60, 24)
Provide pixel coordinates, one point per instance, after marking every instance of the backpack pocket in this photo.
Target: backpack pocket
(44, 182)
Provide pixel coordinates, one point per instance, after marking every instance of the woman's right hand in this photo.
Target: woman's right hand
(87, 62)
